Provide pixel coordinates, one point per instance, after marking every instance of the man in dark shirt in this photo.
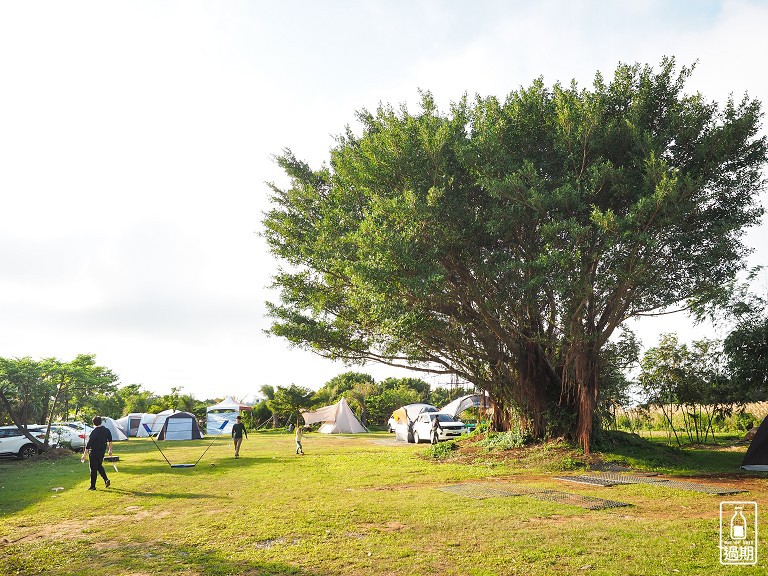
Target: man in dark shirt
(436, 428)
(238, 429)
(98, 442)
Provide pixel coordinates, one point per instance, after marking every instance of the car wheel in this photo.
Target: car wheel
(27, 451)
(415, 437)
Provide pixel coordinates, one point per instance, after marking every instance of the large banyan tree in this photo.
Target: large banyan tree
(506, 241)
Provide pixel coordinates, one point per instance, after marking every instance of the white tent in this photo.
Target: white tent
(180, 426)
(149, 419)
(337, 419)
(130, 423)
(154, 421)
(117, 433)
(228, 409)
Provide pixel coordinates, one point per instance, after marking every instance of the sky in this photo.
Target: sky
(137, 140)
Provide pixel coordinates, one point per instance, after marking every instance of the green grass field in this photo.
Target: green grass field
(359, 505)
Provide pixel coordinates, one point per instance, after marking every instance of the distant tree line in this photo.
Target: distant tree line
(373, 402)
(694, 385)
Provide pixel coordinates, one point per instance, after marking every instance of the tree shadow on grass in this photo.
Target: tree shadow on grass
(168, 495)
(156, 557)
(657, 455)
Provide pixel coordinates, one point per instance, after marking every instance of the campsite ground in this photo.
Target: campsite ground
(359, 505)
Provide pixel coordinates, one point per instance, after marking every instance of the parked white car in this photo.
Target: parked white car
(14, 443)
(73, 435)
(450, 427)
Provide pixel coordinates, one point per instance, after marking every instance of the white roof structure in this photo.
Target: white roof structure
(337, 419)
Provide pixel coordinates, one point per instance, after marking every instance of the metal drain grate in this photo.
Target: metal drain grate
(588, 502)
(696, 487)
(591, 480)
(480, 491)
(630, 478)
(608, 479)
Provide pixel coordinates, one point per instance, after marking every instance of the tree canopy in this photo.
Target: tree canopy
(505, 241)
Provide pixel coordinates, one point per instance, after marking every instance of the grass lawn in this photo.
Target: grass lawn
(360, 505)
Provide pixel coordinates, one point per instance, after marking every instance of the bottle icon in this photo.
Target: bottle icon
(738, 524)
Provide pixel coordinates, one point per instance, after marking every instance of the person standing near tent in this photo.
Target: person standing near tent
(238, 429)
(435, 428)
(99, 441)
(299, 435)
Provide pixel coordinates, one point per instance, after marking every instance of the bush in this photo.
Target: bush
(505, 440)
(442, 449)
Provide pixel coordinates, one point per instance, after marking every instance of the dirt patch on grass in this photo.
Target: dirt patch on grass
(55, 454)
(77, 529)
(385, 527)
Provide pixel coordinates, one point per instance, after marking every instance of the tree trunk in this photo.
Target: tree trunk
(580, 376)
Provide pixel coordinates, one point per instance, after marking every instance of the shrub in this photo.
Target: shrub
(505, 440)
(442, 449)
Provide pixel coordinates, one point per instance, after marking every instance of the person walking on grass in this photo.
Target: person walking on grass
(435, 428)
(238, 429)
(299, 434)
(99, 441)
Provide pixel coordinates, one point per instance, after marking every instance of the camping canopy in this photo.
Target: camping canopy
(228, 409)
(756, 457)
(117, 433)
(337, 419)
(180, 426)
(460, 404)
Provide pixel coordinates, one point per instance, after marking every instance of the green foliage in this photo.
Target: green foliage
(289, 402)
(334, 389)
(37, 392)
(441, 450)
(746, 348)
(505, 440)
(381, 406)
(522, 232)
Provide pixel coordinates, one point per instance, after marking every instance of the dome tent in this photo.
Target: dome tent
(180, 426)
(756, 458)
(117, 433)
(130, 423)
